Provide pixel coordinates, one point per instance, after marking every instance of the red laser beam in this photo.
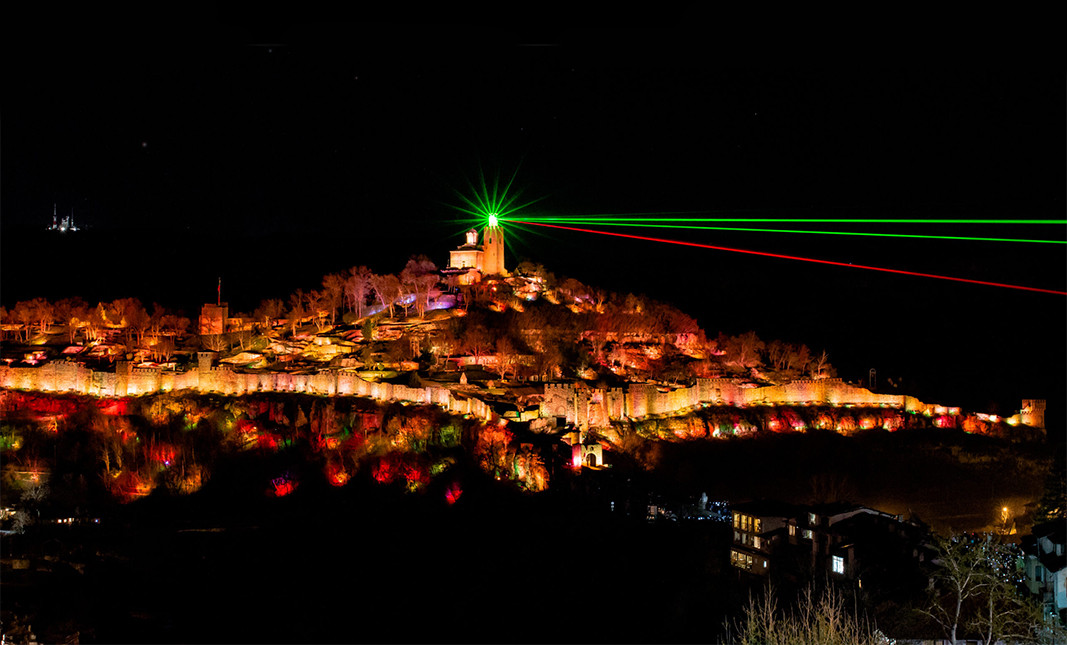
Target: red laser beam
(794, 257)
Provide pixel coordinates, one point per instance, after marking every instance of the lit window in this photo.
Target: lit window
(756, 541)
(740, 560)
(792, 530)
(811, 519)
(838, 564)
(807, 534)
(757, 525)
(737, 520)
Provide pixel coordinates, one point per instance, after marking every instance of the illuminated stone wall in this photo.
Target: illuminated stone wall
(576, 403)
(591, 407)
(127, 380)
(1033, 413)
(558, 401)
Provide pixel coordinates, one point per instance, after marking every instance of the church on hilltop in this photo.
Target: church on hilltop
(472, 261)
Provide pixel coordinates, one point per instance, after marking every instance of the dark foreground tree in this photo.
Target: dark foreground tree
(823, 619)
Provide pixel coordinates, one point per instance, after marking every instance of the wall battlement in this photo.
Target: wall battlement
(576, 403)
(127, 380)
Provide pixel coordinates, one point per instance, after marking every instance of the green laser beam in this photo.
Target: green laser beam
(591, 219)
(783, 230)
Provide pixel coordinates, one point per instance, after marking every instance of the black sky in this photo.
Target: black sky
(273, 156)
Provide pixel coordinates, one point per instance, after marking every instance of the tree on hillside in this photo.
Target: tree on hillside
(163, 349)
(319, 308)
(388, 289)
(298, 299)
(797, 358)
(23, 315)
(135, 319)
(573, 291)
(97, 320)
(1053, 503)
(777, 354)
(446, 342)
(357, 287)
(820, 366)
(296, 312)
(508, 356)
(267, 312)
(333, 293)
(477, 340)
(72, 312)
(43, 313)
(742, 351)
(420, 274)
(155, 319)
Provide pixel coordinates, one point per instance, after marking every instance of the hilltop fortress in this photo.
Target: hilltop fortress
(562, 403)
(574, 404)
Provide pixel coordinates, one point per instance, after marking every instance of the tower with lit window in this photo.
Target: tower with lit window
(493, 243)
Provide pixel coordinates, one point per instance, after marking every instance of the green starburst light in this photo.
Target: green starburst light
(491, 201)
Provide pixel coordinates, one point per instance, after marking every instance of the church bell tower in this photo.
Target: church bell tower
(493, 243)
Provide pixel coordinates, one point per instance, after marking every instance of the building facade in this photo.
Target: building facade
(473, 261)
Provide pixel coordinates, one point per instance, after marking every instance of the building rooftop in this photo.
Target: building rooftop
(768, 508)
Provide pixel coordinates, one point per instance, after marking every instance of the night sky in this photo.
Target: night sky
(272, 157)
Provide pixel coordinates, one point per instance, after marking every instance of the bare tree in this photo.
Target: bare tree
(477, 341)
(778, 354)
(296, 313)
(268, 311)
(388, 288)
(820, 367)
(420, 273)
(135, 319)
(319, 308)
(742, 351)
(798, 358)
(822, 619)
(962, 572)
(43, 313)
(507, 356)
(97, 320)
(23, 313)
(333, 293)
(215, 342)
(357, 286)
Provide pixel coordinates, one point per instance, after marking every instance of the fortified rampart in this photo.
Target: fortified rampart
(576, 404)
(128, 380)
(592, 407)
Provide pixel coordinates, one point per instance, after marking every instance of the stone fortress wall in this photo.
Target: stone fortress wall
(127, 380)
(592, 407)
(577, 404)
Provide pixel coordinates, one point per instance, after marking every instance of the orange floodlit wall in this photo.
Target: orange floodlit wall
(591, 407)
(127, 380)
